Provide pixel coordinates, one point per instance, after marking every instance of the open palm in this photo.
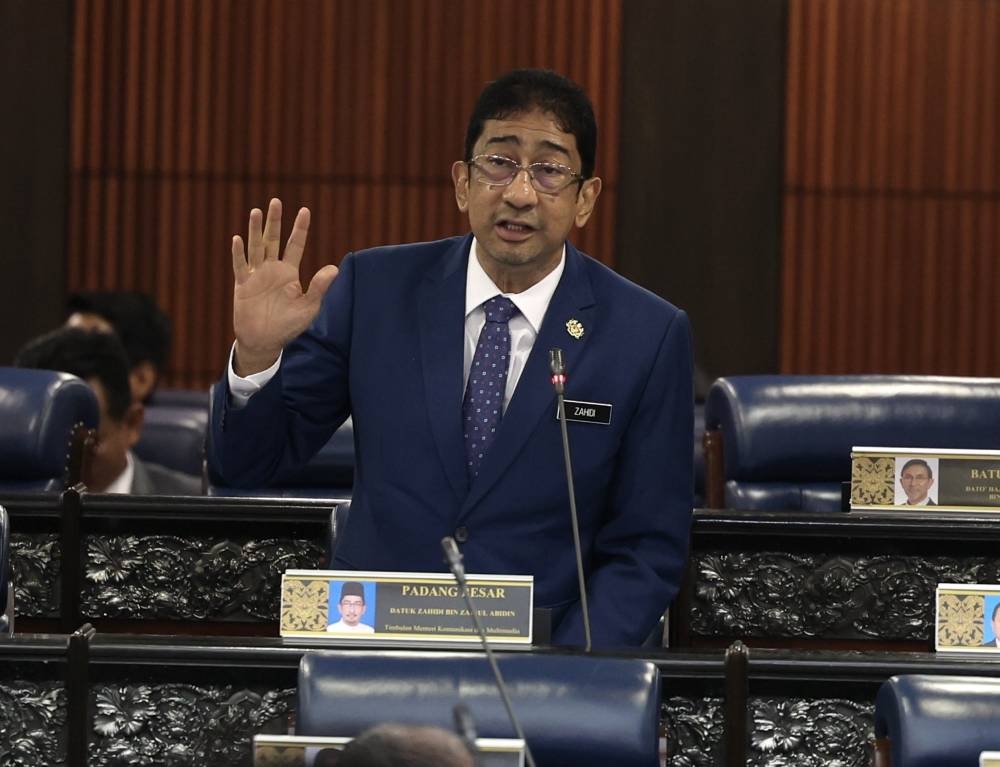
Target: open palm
(269, 306)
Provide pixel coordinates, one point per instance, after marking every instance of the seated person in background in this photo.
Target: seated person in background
(143, 328)
(99, 359)
(402, 745)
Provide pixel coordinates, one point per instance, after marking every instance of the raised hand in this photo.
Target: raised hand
(269, 306)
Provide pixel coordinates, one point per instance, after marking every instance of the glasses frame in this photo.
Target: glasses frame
(574, 176)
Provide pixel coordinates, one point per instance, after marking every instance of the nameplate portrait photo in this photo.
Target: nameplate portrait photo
(914, 479)
(307, 751)
(967, 617)
(349, 607)
(989, 759)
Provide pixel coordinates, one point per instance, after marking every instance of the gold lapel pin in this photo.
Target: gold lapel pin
(575, 329)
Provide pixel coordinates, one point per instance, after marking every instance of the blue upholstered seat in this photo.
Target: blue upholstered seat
(38, 412)
(578, 710)
(174, 436)
(787, 439)
(938, 721)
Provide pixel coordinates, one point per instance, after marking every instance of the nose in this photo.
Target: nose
(519, 192)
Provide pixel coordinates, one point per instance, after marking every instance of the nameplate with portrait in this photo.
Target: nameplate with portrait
(989, 759)
(918, 479)
(306, 751)
(967, 618)
(352, 607)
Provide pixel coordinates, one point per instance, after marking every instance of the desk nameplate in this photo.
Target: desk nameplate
(967, 617)
(911, 479)
(351, 607)
(989, 759)
(306, 751)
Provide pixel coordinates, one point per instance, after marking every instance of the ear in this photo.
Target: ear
(460, 177)
(586, 198)
(142, 380)
(132, 423)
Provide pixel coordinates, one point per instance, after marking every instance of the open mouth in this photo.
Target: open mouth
(514, 230)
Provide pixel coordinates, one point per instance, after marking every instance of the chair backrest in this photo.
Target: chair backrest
(581, 710)
(937, 721)
(786, 440)
(174, 436)
(39, 410)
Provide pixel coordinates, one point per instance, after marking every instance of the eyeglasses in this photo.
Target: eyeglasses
(352, 603)
(546, 177)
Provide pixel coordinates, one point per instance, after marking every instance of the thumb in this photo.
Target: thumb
(320, 282)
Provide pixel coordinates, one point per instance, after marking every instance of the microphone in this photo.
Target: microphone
(558, 367)
(454, 559)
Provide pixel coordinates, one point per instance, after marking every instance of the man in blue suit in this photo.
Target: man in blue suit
(440, 352)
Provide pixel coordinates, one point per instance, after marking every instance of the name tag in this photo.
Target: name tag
(587, 412)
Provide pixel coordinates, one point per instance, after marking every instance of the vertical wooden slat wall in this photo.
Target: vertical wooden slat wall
(891, 222)
(185, 114)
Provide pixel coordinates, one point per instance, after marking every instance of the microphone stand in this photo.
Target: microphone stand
(454, 558)
(558, 369)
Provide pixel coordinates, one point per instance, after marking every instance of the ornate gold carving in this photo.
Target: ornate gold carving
(960, 620)
(279, 756)
(872, 481)
(305, 605)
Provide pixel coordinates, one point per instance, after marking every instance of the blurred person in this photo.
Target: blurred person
(100, 360)
(141, 325)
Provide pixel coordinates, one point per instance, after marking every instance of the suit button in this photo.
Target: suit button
(462, 534)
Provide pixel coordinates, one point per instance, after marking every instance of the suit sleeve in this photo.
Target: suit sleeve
(641, 549)
(284, 424)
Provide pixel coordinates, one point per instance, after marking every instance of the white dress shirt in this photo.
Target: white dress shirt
(479, 288)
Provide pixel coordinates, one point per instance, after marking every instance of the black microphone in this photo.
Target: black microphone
(558, 367)
(454, 559)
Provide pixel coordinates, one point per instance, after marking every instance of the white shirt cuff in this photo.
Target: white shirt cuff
(241, 389)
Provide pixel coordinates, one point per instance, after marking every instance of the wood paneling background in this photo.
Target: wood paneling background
(185, 114)
(891, 229)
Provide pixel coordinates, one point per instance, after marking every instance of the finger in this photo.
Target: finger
(297, 239)
(255, 246)
(272, 230)
(241, 270)
(320, 282)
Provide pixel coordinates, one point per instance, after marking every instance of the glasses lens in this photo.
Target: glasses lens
(550, 178)
(496, 169)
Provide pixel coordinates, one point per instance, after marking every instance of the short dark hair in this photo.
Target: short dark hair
(399, 745)
(140, 324)
(86, 354)
(918, 462)
(525, 89)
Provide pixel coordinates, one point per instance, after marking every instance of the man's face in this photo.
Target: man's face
(114, 440)
(520, 230)
(351, 610)
(916, 481)
(996, 625)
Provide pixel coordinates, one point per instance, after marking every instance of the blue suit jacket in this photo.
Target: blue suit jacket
(387, 347)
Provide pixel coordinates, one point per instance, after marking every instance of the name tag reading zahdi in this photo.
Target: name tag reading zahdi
(587, 412)
(409, 609)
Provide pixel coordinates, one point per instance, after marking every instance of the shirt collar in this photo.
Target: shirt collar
(532, 303)
(123, 482)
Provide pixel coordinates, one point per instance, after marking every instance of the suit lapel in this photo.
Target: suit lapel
(534, 397)
(442, 343)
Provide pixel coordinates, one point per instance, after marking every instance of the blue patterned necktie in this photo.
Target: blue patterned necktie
(483, 405)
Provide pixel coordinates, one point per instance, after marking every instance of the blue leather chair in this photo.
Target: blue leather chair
(39, 410)
(786, 440)
(174, 436)
(936, 721)
(585, 711)
(6, 586)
